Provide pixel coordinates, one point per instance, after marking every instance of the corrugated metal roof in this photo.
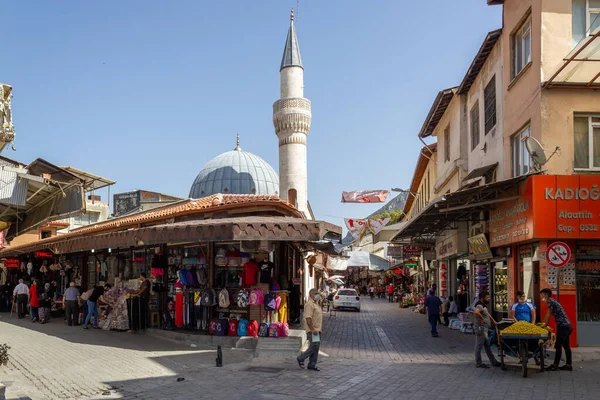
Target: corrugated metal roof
(13, 190)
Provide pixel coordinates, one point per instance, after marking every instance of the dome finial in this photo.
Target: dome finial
(292, 14)
(237, 143)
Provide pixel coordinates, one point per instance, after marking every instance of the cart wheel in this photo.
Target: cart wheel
(501, 351)
(524, 354)
(542, 357)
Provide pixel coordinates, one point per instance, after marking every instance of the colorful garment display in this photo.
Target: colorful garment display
(283, 307)
(250, 273)
(179, 310)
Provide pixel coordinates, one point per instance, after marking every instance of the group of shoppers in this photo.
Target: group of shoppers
(39, 298)
(74, 303)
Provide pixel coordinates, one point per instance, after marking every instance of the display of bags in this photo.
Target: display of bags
(270, 302)
(212, 326)
(242, 298)
(222, 325)
(274, 329)
(221, 258)
(208, 298)
(233, 327)
(242, 329)
(284, 329)
(256, 297)
(253, 328)
(263, 329)
(224, 298)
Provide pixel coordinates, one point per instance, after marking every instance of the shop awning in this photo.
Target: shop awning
(481, 172)
(224, 229)
(580, 67)
(366, 259)
(31, 195)
(446, 210)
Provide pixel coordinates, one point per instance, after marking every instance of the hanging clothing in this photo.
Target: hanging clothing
(179, 310)
(283, 308)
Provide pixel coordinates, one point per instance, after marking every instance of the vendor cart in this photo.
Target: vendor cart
(524, 347)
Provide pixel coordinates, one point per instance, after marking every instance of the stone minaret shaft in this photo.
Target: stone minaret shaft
(292, 118)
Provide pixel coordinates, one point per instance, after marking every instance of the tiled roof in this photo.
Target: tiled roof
(217, 202)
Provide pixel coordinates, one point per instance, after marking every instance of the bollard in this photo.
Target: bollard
(219, 356)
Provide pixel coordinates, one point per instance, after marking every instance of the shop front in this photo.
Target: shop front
(200, 269)
(551, 209)
(451, 246)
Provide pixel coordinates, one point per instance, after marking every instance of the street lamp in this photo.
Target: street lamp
(406, 191)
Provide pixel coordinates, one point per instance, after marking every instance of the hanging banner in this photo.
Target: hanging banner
(359, 227)
(443, 279)
(365, 196)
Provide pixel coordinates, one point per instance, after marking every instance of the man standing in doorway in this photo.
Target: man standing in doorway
(313, 316)
(143, 294)
(482, 326)
(20, 294)
(71, 304)
(433, 305)
(563, 331)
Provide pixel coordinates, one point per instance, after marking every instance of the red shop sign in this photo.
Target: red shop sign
(44, 254)
(11, 263)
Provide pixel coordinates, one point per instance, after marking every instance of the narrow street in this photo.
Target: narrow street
(383, 352)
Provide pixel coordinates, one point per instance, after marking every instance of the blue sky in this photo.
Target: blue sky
(146, 92)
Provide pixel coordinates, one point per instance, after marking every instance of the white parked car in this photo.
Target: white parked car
(346, 298)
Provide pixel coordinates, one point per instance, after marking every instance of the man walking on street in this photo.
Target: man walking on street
(71, 304)
(20, 294)
(482, 325)
(313, 316)
(390, 291)
(433, 305)
(563, 331)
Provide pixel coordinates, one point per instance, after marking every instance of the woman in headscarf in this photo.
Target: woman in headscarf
(46, 303)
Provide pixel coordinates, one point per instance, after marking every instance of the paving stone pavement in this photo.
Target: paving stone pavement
(382, 353)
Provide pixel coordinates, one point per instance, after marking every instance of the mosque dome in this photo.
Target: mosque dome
(235, 172)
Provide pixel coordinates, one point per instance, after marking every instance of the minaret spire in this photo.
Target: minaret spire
(291, 119)
(291, 52)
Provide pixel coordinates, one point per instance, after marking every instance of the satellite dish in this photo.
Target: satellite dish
(536, 151)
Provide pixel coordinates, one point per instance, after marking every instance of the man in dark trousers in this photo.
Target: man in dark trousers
(71, 304)
(143, 296)
(20, 292)
(434, 306)
(563, 331)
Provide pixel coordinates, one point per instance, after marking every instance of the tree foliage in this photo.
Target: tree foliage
(394, 215)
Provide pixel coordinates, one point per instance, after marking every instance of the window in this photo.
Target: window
(521, 48)
(475, 126)
(521, 162)
(447, 143)
(587, 142)
(489, 97)
(46, 234)
(585, 19)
